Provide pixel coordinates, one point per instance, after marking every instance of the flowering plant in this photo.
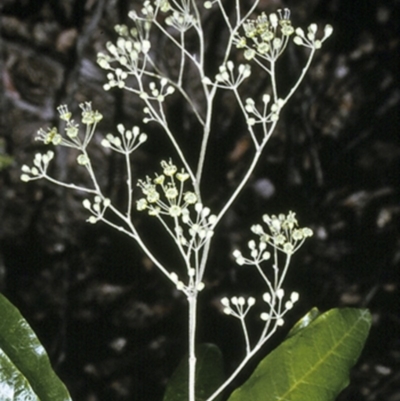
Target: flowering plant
(174, 195)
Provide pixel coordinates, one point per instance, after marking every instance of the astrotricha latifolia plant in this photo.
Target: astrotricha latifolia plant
(173, 195)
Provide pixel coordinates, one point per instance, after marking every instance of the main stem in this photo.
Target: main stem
(192, 299)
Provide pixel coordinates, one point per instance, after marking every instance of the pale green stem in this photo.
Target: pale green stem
(177, 44)
(182, 66)
(236, 372)
(160, 76)
(204, 259)
(192, 299)
(241, 185)
(246, 335)
(129, 184)
(303, 73)
(210, 98)
(242, 107)
(65, 185)
(273, 80)
(265, 278)
(285, 269)
(164, 124)
(203, 149)
(200, 34)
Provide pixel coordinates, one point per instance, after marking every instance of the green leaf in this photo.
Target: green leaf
(13, 384)
(24, 365)
(304, 321)
(313, 364)
(209, 375)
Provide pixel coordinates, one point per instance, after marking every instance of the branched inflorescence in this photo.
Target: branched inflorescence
(284, 236)
(174, 197)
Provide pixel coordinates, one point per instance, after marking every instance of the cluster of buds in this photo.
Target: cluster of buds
(40, 165)
(268, 35)
(274, 301)
(97, 208)
(130, 140)
(237, 306)
(130, 51)
(310, 40)
(267, 116)
(258, 254)
(226, 77)
(193, 285)
(156, 93)
(284, 235)
(200, 229)
(181, 21)
(179, 16)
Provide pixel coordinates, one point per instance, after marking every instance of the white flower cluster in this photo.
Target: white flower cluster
(157, 94)
(41, 163)
(267, 36)
(70, 139)
(270, 115)
(284, 235)
(179, 14)
(130, 140)
(237, 306)
(258, 254)
(170, 184)
(274, 302)
(130, 51)
(165, 196)
(309, 39)
(132, 48)
(97, 208)
(200, 229)
(136, 62)
(193, 285)
(226, 78)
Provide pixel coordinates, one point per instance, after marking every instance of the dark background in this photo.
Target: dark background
(113, 326)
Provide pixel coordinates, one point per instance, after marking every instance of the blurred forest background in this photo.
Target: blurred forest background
(114, 328)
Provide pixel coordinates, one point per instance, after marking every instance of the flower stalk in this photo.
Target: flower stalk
(174, 194)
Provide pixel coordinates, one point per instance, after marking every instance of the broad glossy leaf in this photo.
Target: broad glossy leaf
(13, 384)
(209, 375)
(26, 355)
(313, 364)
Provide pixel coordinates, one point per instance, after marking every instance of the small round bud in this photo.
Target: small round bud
(82, 160)
(25, 178)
